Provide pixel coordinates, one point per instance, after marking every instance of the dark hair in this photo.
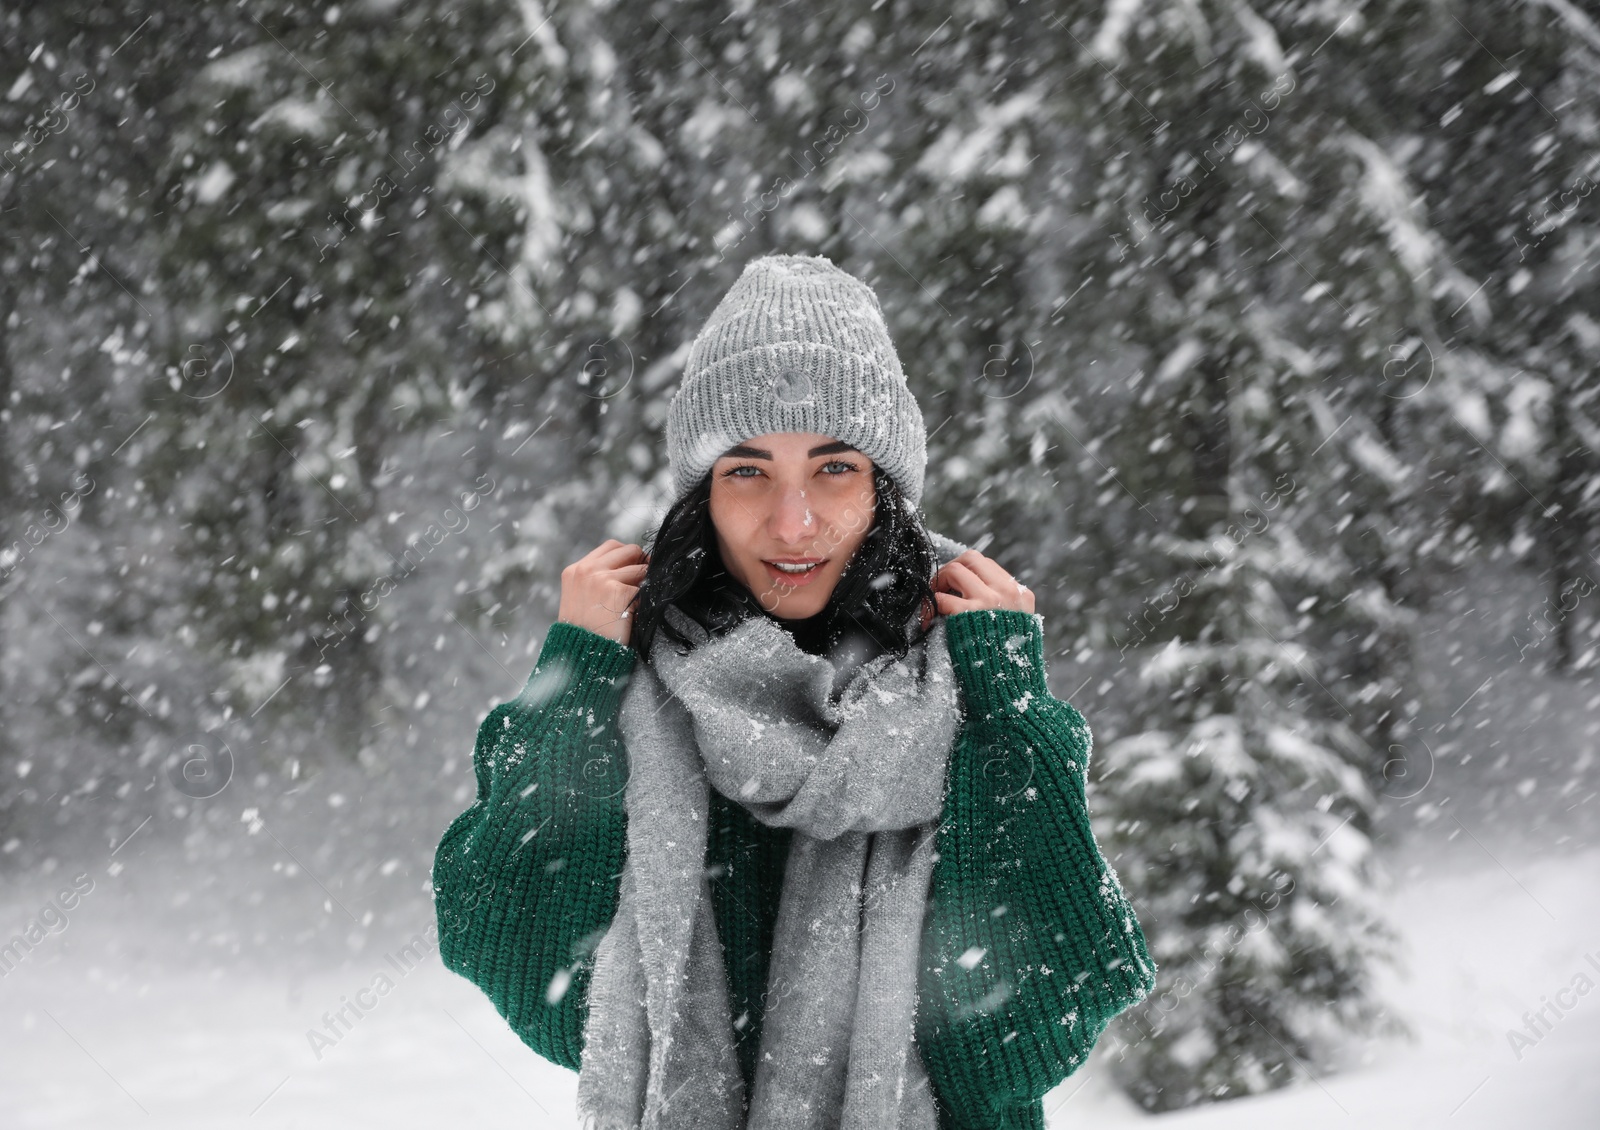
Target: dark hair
(876, 606)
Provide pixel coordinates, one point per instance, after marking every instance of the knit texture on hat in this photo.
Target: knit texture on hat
(796, 345)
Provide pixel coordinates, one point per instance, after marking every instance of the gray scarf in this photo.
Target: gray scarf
(852, 757)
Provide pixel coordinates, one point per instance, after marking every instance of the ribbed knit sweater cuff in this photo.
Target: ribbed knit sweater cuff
(577, 658)
(999, 658)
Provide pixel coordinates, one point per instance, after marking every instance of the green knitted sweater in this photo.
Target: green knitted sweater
(1029, 949)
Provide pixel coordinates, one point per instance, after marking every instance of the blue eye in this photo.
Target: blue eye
(733, 472)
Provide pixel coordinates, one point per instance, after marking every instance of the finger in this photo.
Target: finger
(598, 551)
(957, 569)
(990, 571)
(611, 553)
(1008, 591)
(949, 605)
(964, 582)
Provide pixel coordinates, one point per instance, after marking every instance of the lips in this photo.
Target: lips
(792, 575)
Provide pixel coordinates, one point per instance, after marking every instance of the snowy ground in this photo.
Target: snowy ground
(141, 1041)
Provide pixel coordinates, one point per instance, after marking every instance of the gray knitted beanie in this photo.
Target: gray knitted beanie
(796, 345)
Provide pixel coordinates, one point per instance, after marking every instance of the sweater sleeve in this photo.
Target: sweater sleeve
(525, 881)
(1031, 946)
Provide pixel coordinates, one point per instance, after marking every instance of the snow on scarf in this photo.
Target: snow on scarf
(859, 774)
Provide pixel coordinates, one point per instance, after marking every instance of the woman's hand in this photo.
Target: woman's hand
(973, 582)
(597, 589)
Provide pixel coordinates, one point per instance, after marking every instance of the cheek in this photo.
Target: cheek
(733, 518)
(852, 512)
(855, 503)
(854, 517)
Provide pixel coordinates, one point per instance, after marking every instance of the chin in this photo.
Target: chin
(794, 607)
(799, 606)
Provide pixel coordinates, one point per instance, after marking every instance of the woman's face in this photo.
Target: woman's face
(791, 497)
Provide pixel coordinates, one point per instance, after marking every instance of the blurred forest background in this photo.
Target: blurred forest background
(1261, 340)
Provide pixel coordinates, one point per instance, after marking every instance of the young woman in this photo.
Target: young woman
(786, 829)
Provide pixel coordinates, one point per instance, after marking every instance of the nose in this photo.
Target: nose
(792, 520)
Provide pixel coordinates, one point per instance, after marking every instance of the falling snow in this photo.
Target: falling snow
(1260, 342)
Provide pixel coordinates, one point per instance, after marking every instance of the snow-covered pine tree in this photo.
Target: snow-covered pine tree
(79, 326)
(1244, 775)
(631, 182)
(1513, 426)
(301, 227)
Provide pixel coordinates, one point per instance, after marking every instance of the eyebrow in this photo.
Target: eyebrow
(743, 451)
